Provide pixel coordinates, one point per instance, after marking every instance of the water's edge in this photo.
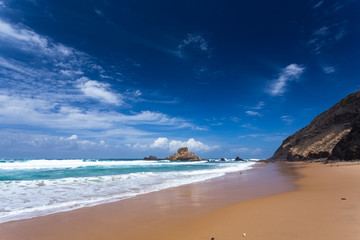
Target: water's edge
(95, 190)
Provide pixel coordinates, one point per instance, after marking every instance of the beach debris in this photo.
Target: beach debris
(343, 198)
(244, 234)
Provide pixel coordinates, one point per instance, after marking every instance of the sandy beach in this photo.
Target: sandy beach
(271, 201)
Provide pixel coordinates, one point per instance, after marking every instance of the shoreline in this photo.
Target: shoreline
(272, 201)
(85, 203)
(177, 205)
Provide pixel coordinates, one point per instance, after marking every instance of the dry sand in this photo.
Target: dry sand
(262, 203)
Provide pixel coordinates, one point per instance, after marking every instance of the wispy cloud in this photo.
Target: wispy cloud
(326, 36)
(253, 113)
(259, 106)
(50, 92)
(20, 37)
(99, 12)
(253, 135)
(46, 113)
(217, 124)
(245, 150)
(329, 69)
(276, 138)
(248, 126)
(172, 145)
(194, 42)
(23, 142)
(279, 86)
(329, 26)
(11, 65)
(287, 119)
(318, 4)
(235, 119)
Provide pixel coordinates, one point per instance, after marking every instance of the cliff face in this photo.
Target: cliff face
(183, 154)
(334, 134)
(348, 148)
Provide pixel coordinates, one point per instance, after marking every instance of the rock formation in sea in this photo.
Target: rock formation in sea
(183, 154)
(239, 159)
(151, 158)
(334, 134)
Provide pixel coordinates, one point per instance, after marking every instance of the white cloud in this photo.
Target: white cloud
(164, 143)
(99, 91)
(253, 113)
(329, 69)
(72, 137)
(137, 93)
(192, 144)
(288, 74)
(161, 142)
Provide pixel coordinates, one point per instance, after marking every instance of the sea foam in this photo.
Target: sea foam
(41, 196)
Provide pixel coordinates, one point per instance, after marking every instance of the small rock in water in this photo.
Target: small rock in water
(244, 234)
(343, 198)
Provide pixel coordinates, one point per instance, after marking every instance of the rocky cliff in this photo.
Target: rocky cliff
(183, 154)
(334, 134)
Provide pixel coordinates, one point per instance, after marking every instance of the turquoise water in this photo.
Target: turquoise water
(35, 187)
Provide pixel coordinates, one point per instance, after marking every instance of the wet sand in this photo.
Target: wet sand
(263, 202)
(326, 206)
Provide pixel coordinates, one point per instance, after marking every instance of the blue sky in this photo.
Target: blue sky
(116, 79)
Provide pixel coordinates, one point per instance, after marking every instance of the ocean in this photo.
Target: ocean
(37, 187)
